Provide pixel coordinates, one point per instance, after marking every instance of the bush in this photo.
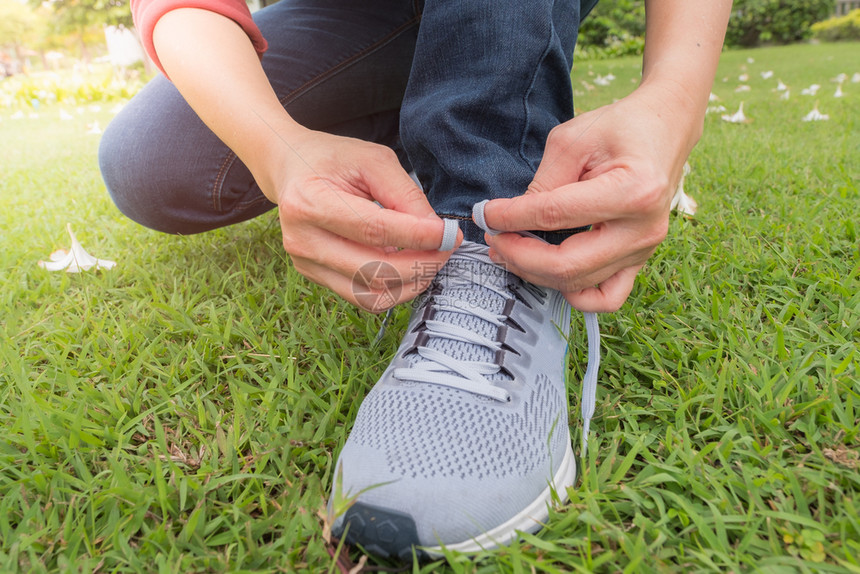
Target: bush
(68, 87)
(625, 46)
(754, 22)
(611, 22)
(843, 28)
(614, 28)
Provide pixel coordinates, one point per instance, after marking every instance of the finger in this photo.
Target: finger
(564, 158)
(374, 287)
(390, 185)
(607, 296)
(581, 261)
(569, 206)
(362, 221)
(345, 257)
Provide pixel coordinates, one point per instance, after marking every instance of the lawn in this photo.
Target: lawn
(180, 413)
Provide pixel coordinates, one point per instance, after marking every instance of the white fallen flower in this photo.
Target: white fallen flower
(767, 75)
(75, 259)
(743, 88)
(811, 90)
(815, 115)
(715, 109)
(785, 95)
(66, 116)
(781, 87)
(743, 77)
(838, 93)
(94, 128)
(855, 79)
(683, 203)
(750, 61)
(604, 80)
(840, 78)
(738, 117)
(713, 97)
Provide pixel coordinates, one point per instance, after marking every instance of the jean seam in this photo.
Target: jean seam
(528, 92)
(231, 157)
(349, 61)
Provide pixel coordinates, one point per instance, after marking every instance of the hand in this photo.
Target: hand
(331, 226)
(325, 186)
(614, 168)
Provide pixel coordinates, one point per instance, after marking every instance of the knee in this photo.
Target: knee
(142, 170)
(122, 171)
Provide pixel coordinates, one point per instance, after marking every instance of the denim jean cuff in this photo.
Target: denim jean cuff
(471, 232)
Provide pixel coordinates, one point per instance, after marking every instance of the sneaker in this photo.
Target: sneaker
(464, 440)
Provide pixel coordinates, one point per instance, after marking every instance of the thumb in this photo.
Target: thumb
(564, 158)
(393, 188)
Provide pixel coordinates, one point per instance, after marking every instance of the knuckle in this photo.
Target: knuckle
(373, 232)
(380, 153)
(552, 214)
(296, 207)
(570, 278)
(537, 186)
(558, 137)
(653, 235)
(651, 195)
(296, 248)
(302, 267)
(659, 231)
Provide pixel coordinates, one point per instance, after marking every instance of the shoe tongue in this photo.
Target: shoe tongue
(462, 283)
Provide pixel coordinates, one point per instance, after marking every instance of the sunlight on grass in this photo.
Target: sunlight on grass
(181, 412)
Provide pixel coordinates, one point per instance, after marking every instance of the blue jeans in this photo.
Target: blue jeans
(465, 92)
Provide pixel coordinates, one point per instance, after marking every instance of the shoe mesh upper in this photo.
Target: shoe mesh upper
(427, 430)
(416, 427)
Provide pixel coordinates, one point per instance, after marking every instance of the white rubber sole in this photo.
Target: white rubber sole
(530, 519)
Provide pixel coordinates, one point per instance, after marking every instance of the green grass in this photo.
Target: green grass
(180, 413)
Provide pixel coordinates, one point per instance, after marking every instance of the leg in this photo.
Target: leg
(464, 441)
(490, 80)
(336, 66)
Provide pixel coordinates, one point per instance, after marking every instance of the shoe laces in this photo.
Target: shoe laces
(589, 381)
(469, 292)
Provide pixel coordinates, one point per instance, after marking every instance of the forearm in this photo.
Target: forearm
(215, 67)
(683, 41)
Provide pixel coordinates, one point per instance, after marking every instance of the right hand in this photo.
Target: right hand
(325, 190)
(324, 185)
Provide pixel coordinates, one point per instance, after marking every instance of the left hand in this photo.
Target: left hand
(615, 168)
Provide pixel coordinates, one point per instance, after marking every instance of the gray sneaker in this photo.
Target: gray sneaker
(464, 440)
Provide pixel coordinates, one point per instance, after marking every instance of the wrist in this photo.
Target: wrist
(683, 109)
(273, 152)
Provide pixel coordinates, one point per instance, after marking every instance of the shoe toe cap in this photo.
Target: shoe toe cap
(389, 514)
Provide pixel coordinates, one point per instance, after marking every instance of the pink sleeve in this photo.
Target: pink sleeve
(146, 14)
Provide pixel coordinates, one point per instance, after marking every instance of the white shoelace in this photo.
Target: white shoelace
(589, 381)
(440, 369)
